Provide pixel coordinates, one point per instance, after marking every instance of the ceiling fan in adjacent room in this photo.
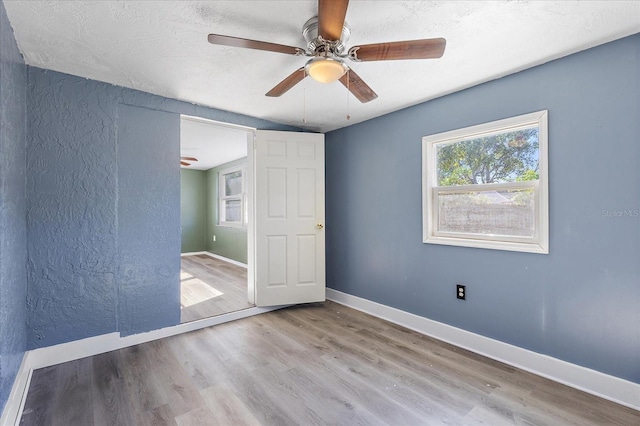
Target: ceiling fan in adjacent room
(184, 161)
(326, 36)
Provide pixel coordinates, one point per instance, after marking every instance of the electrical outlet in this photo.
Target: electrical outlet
(461, 292)
(214, 238)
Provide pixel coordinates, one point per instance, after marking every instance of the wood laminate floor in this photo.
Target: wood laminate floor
(306, 365)
(210, 287)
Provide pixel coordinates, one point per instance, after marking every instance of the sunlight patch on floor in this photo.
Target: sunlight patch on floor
(194, 291)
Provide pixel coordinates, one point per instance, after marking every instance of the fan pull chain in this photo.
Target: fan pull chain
(304, 105)
(348, 93)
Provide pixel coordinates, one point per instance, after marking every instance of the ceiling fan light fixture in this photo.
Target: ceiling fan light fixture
(325, 70)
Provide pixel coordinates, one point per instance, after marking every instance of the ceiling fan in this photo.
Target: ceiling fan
(183, 160)
(326, 35)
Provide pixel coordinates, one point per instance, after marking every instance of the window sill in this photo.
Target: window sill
(232, 225)
(538, 248)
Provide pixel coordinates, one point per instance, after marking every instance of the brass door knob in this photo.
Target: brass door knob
(319, 226)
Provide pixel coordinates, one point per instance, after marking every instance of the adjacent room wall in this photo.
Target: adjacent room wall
(230, 242)
(13, 208)
(199, 215)
(580, 302)
(193, 210)
(72, 190)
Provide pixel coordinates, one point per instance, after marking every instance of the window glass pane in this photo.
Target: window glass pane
(233, 183)
(504, 157)
(232, 210)
(508, 213)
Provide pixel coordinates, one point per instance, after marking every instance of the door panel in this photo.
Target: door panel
(290, 263)
(276, 193)
(276, 261)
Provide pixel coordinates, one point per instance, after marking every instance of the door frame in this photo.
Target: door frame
(251, 133)
(251, 212)
(250, 185)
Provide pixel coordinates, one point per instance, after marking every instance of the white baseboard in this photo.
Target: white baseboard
(192, 253)
(594, 382)
(233, 262)
(57, 354)
(13, 408)
(216, 256)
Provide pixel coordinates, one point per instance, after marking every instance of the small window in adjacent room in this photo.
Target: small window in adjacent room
(232, 197)
(486, 186)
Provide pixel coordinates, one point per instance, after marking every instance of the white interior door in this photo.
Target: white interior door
(289, 218)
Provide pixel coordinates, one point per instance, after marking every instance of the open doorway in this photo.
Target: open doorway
(215, 192)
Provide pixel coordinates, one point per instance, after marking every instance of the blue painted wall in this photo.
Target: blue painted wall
(148, 250)
(13, 229)
(581, 302)
(75, 239)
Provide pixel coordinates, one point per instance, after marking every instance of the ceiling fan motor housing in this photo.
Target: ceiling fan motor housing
(317, 45)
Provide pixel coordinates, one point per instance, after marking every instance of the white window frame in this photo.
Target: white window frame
(539, 243)
(242, 197)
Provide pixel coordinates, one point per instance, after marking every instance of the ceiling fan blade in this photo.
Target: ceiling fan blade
(189, 158)
(331, 14)
(183, 163)
(409, 49)
(254, 44)
(357, 86)
(281, 88)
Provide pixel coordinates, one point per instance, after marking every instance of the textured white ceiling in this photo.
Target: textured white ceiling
(161, 47)
(211, 143)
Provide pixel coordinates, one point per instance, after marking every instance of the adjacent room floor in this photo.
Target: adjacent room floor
(210, 287)
(310, 364)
